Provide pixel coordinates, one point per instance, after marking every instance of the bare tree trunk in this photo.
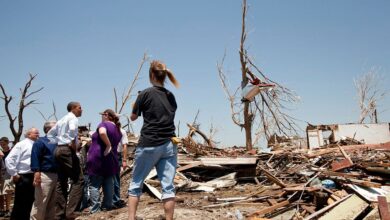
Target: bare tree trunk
(248, 127)
(270, 106)
(244, 69)
(17, 130)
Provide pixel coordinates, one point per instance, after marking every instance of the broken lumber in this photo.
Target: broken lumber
(354, 204)
(193, 129)
(320, 152)
(188, 166)
(383, 208)
(339, 165)
(326, 208)
(273, 178)
(269, 209)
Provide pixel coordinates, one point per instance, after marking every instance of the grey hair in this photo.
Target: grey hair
(48, 125)
(29, 131)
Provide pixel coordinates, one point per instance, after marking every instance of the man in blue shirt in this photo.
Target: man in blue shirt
(45, 176)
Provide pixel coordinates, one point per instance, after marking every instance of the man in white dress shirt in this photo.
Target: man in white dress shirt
(18, 167)
(64, 133)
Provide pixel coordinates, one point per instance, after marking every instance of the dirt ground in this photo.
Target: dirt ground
(189, 205)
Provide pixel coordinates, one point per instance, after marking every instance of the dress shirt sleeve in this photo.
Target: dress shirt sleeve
(13, 159)
(73, 128)
(52, 134)
(36, 153)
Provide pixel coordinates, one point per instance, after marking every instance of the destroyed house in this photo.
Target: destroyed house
(322, 135)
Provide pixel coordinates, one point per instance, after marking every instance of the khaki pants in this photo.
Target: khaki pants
(45, 198)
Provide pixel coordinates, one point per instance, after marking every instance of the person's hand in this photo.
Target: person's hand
(15, 178)
(124, 165)
(37, 179)
(107, 150)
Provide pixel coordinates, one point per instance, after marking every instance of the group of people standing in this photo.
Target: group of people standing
(43, 168)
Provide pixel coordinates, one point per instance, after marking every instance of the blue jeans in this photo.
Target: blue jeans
(85, 201)
(107, 183)
(164, 158)
(117, 181)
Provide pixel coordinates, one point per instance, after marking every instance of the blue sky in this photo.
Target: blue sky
(81, 50)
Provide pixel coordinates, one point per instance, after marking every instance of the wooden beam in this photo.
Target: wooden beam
(228, 160)
(383, 208)
(302, 188)
(345, 154)
(273, 178)
(269, 209)
(339, 165)
(188, 166)
(272, 201)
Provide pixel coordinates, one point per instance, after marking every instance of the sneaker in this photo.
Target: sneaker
(119, 204)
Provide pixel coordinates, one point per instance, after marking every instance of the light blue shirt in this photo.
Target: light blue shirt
(65, 130)
(19, 158)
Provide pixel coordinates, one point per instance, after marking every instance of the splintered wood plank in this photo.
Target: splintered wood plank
(345, 154)
(188, 166)
(228, 161)
(269, 209)
(354, 204)
(272, 201)
(273, 178)
(345, 163)
(302, 188)
(383, 208)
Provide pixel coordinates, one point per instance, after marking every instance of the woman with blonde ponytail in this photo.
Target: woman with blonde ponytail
(157, 105)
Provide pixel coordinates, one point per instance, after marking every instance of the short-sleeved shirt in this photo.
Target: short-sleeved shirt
(124, 140)
(97, 163)
(157, 106)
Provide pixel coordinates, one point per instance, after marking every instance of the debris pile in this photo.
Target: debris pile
(300, 184)
(341, 180)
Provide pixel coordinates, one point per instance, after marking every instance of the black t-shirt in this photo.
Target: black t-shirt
(157, 106)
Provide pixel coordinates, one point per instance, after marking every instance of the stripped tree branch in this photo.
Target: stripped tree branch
(23, 103)
(369, 93)
(132, 84)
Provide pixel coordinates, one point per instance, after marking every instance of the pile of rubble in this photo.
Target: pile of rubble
(342, 180)
(296, 184)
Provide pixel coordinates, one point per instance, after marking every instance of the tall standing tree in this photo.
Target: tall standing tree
(16, 122)
(268, 109)
(368, 94)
